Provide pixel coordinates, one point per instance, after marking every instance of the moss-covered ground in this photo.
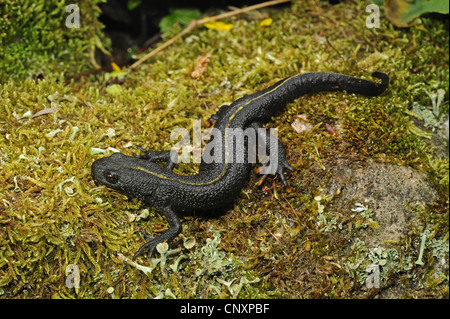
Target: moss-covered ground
(318, 241)
(36, 42)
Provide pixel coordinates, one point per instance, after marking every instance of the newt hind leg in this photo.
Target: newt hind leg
(280, 169)
(277, 162)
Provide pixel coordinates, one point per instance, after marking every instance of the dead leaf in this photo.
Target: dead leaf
(219, 25)
(45, 111)
(200, 68)
(301, 124)
(265, 23)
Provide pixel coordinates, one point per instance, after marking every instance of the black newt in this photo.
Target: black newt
(218, 183)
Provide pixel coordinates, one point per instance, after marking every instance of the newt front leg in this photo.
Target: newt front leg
(173, 231)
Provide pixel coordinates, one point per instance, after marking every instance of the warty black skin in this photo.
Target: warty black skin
(217, 184)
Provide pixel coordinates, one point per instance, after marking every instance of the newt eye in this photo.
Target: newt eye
(111, 177)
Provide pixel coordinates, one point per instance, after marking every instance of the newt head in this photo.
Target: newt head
(127, 174)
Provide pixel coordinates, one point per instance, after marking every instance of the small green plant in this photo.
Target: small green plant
(403, 12)
(133, 4)
(183, 16)
(432, 118)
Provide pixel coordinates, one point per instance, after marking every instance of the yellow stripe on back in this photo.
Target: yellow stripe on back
(226, 151)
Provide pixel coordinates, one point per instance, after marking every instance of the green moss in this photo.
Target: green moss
(35, 42)
(272, 243)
